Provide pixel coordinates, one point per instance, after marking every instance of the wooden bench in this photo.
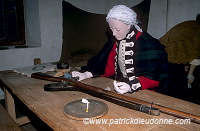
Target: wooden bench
(6, 122)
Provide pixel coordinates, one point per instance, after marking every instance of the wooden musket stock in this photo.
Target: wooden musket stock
(124, 98)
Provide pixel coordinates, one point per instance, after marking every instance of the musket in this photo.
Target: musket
(163, 109)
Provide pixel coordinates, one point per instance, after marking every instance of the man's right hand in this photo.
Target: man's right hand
(82, 76)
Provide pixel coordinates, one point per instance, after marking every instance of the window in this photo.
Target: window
(12, 30)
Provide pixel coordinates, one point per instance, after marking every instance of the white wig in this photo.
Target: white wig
(124, 14)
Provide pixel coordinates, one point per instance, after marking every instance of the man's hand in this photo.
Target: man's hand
(121, 87)
(82, 76)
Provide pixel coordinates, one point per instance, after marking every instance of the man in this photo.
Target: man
(136, 59)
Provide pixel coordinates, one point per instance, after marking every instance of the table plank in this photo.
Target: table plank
(48, 106)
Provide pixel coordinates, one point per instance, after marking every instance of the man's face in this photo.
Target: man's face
(118, 28)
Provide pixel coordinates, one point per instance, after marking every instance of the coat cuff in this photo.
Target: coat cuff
(135, 85)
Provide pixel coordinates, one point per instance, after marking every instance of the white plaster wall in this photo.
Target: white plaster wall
(182, 10)
(45, 31)
(44, 25)
(164, 14)
(157, 18)
(32, 22)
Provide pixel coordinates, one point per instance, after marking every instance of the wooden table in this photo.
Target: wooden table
(48, 106)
